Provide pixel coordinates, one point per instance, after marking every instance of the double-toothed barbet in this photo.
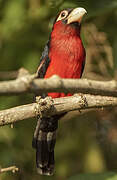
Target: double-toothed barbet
(63, 55)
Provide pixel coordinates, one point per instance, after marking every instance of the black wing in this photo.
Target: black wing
(83, 65)
(44, 62)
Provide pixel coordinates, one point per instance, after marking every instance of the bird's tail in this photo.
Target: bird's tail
(44, 142)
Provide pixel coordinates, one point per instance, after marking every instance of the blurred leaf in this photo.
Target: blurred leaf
(102, 176)
(115, 52)
(13, 17)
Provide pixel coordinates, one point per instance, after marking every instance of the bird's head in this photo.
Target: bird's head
(69, 21)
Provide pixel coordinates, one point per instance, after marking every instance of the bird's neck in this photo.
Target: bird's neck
(63, 31)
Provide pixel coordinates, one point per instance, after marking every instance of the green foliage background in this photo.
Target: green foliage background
(24, 29)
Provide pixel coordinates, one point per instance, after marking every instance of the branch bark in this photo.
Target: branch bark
(55, 106)
(11, 168)
(29, 83)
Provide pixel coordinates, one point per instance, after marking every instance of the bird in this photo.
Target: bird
(64, 55)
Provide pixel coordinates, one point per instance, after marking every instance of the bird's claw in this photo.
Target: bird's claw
(43, 106)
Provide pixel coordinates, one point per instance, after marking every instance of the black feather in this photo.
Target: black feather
(44, 142)
(83, 65)
(44, 61)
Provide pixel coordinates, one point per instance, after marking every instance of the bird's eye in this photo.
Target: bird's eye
(63, 14)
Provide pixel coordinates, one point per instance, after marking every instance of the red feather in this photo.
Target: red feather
(66, 53)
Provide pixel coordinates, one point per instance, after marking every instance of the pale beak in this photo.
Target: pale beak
(76, 15)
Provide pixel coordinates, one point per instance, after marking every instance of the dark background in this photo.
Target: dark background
(87, 141)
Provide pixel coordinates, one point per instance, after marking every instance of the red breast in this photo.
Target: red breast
(66, 53)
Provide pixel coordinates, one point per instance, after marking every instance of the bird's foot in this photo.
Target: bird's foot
(44, 105)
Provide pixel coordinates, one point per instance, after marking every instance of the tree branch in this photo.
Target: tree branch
(49, 107)
(11, 168)
(29, 83)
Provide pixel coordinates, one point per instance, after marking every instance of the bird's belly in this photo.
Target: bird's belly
(64, 70)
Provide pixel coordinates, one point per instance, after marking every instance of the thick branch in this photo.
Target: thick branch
(11, 168)
(60, 105)
(28, 83)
